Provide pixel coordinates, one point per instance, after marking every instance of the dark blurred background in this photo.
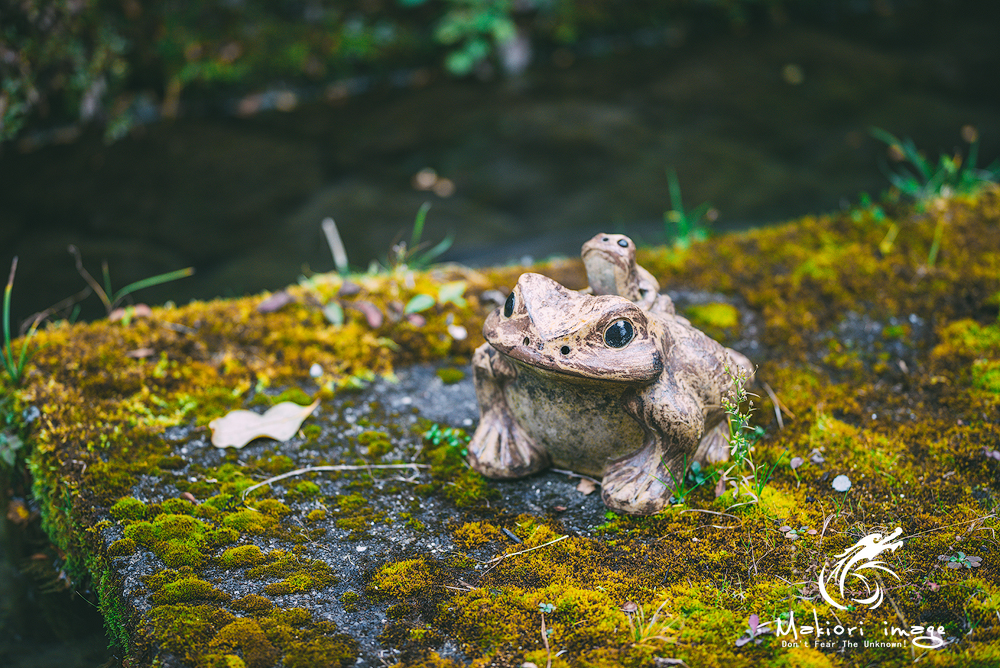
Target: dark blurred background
(156, 136)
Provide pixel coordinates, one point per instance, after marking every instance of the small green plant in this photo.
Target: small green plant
(951, 175)
(414, 255)
(14, 368)
(641, 631)
(10, 445)
(472, 28)
(742, 437)
(961, 559)
(694, 478)
(688, 223)
(112, 299)
(452, 436)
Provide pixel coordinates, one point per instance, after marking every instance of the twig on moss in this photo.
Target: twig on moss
(342, 467)
(779, 407)
(826, 523)
(501, 557)
(957, 524)
(577, 475)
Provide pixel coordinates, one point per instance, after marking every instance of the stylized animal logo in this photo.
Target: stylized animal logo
(861, 556)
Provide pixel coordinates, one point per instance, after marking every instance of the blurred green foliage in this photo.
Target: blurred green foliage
(76, 61)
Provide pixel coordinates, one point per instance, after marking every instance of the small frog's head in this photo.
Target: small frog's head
(547, 326)
(610, 263)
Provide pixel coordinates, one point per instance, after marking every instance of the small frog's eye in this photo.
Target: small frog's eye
(619, 334)
(623, 243)
(508, 306)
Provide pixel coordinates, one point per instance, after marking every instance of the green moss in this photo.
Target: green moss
(450, 375)
(298, 574)
(316, 515)
(350, 599)
(177, 539)
(121, 548)
(186, 630)
(306, 489)
(272, 507)
(246, 637)
(410, 577)
(276, 464)
(244, 555)
(249, 521)
(474, 534)
(222, 661)
(128, 508)
(986, 375)
(305, 643)
(177, 507)
(718, 320)
(253, 603)
(187, 590)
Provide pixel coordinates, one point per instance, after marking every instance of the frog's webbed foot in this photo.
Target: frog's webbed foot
(499, 448)
(641, 483)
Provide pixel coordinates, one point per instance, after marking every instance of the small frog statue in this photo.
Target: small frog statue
(611, 384)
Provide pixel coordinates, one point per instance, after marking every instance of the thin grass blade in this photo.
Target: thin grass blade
(418, 224)
(151, 281)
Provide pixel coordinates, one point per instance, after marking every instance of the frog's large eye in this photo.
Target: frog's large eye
(619, 334)
(623, 243)
(508, 306)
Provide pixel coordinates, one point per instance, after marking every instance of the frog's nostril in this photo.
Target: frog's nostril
(564, 350)
(526, 341)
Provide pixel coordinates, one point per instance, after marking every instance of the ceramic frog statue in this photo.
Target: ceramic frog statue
(599, 384)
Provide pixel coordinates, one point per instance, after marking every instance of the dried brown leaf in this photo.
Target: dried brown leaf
(238, 428)
(275, 302)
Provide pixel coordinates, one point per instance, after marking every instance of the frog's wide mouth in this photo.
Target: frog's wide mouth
(638, 366)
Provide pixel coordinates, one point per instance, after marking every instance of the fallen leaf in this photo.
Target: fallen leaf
(348, 289)
(238, 428)
(132, 312)
(586, 486)
(796, 462)
(275, 302)
(452, 292)
(418, 303)
(492, 297)
(140, 353)
(842, 483)
(334, 313)
(371, 312)
(190, 497)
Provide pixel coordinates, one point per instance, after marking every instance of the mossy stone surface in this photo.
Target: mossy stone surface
(881, 367)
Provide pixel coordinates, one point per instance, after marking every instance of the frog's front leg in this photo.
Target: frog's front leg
(673, 422)
(500, 448)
